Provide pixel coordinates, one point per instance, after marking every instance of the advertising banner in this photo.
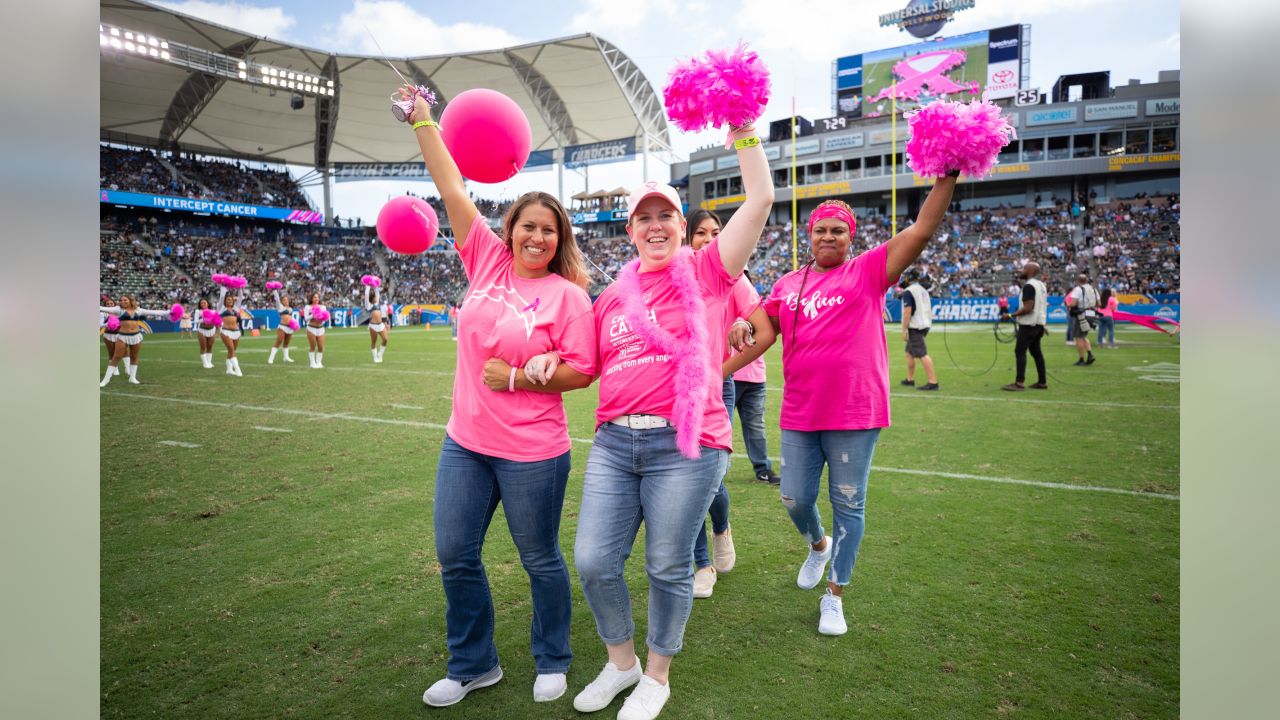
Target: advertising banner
(348, 172)
(985, 309)
(600, 152)
(208, 207)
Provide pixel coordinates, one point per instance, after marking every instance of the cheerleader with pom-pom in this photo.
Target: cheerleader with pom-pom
(129, 334)
(315, 315)
(288, 324)
(232, 306)
(207, 325)
(108, 335)
(377, 318)
(835, 396)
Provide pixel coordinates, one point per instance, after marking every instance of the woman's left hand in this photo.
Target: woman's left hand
(540, 368)
(497, 374)
(740, 335)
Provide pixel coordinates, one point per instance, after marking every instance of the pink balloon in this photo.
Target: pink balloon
(407, 225)
(487, 134)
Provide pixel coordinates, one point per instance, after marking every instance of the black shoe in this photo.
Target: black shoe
(1078, 363)
(928, 386)
(908, 383)
(768, 476)
(1091, 359)
(1039, 386)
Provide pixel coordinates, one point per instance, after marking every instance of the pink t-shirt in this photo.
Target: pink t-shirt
(835, 368)
(1110, 309)
(744, 301)
(638, 380)
(513, 318)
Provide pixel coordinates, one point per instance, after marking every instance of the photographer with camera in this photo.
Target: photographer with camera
(1083, 301)
(917, 318)
(1030, 318)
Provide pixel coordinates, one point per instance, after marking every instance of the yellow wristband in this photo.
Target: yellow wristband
(425, 123)
(746, 142)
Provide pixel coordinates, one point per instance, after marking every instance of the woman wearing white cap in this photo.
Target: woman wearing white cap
(663, 435)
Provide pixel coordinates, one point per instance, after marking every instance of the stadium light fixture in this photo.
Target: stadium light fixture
(112, 38)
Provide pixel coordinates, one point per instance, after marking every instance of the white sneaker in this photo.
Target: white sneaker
(447, 692)
(288, 359)
(814, 565)
(606, 687)
(704, 579)
(723, 556)
(646, 701)
(831, 620)
(550, 686)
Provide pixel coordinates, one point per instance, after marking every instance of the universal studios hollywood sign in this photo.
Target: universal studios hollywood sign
(923, 18)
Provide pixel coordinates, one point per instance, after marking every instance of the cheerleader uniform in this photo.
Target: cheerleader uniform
(129, 334)
(316, 329)
(286, 317)
(377, 327)
(233, 363)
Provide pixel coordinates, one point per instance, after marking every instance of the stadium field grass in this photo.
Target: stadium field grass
(284, 565)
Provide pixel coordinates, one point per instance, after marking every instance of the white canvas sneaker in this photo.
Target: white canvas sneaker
(704, 579)
(831, 615)
(723, 555)
(646, 701)
(550, 686)
(606, 687)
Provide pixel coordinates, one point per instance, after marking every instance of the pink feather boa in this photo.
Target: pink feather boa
(689, 349)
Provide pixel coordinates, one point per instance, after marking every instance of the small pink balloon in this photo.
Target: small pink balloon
(407, 225)
(487, 134)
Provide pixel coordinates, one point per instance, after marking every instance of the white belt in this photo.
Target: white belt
(641, 422)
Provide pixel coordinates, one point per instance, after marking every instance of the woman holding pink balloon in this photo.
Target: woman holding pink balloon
(230, 314)
(526, 337)
(663, 437)
(315, 315)
(127, 326)
(377, 321)
(288, 324)
(207, 325)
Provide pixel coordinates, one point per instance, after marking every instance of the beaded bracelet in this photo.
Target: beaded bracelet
(426, 123)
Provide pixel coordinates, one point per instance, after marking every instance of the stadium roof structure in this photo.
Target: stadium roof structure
(574, 90)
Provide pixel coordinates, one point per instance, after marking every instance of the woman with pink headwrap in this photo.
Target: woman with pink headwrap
(835, 396)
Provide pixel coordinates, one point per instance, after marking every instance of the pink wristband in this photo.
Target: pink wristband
(511, 384)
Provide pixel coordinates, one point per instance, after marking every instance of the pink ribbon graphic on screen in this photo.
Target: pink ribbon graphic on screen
(1147, 321)
(927, 69)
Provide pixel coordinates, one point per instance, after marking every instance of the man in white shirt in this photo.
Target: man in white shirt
(1083, 300)
(917, 318)
(1030, 317)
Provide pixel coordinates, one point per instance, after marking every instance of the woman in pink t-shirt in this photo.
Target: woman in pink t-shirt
(662, 432)
(835, 392)
(526, 336)
(702, 227)
(1107, 323)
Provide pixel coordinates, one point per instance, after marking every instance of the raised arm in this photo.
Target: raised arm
(738, 239)
(907, 245)
(113, 310)
(444, 171)
(222, 296)
(367, 305)
(279, 305)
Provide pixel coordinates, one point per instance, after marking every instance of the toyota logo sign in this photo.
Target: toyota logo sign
(1002, 76)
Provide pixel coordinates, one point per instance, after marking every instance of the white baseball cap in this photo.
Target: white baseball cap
(653, 189)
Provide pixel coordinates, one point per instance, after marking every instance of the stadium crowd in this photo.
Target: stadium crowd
(197, 177)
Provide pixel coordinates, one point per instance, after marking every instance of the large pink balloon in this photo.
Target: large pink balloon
(487, 134)
(407, 225)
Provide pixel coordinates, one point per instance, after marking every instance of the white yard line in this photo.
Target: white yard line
(264, 428)
(405, 407)
(587, 441)
(178, 443)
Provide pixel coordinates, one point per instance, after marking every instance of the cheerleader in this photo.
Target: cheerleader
(284, 332)
(377, 323)
(128, 337)
(184, 326)
(315, 329)
(231, 307)
(205, 332)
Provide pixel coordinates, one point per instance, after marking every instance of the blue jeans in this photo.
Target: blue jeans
(847, 455)
(635, 475)
(469, 487)
(1106, 326)
(720, 503)
(749, 397)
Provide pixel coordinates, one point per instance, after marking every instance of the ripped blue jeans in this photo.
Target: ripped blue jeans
(847, 454)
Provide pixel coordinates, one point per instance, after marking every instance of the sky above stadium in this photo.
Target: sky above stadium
(797, 39)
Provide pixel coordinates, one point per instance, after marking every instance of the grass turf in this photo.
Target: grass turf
(292, 574)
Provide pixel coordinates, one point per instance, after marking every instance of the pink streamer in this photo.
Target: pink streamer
(1147, 321)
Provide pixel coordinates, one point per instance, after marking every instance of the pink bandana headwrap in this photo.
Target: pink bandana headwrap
(832, 211)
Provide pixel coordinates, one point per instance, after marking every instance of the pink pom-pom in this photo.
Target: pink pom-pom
(377, 281)
(723, 87)
(209, 317)
(113, 323)
(236, 282)
(273, 285)
(176, 312)
(947, 136)
(293, 323)
(218, 279)
(320, 314)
